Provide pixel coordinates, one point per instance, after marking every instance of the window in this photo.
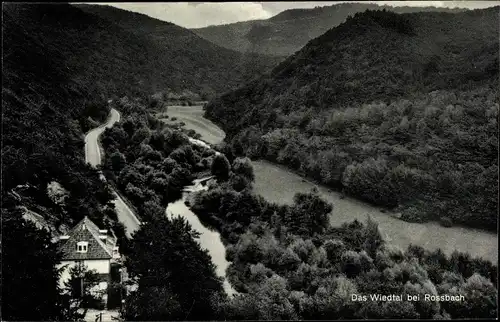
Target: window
(82, 247)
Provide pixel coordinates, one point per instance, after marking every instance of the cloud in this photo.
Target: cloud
(198, 14)
(202, 14)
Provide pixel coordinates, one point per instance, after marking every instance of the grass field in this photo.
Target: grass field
(193, 117)
(278, 184)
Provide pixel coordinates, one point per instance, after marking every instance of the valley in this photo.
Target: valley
(267, 169)
(287, 32)
(278, 184)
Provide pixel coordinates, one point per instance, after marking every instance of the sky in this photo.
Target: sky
(202, 14)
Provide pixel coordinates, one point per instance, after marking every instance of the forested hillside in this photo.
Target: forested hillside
(47, 104)
(400, 110)
(60, 67)
(185, 60)
(62, 64)
(290, 30)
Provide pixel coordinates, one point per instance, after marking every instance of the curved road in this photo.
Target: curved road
(93, 156)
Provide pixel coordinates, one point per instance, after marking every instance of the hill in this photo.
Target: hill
(290, 30)
(179, 58)
(62, 64)
(397, 109)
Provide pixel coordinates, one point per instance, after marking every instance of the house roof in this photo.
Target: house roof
(87, 231)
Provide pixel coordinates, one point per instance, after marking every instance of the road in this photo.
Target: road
(92, 150)
(93, 156)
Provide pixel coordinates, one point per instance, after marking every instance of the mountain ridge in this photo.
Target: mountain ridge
(288, 31)
(382, 73)
(60, 67)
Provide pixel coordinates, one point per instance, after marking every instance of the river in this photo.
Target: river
(209, 239)
(270, 180)
(277, 184)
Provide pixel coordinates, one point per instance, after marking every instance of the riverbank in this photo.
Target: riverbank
(274, 184)
(209, 239)
(193, 118)
(278, 184)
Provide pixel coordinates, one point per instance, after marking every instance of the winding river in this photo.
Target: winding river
(209, 239)
(277, 184)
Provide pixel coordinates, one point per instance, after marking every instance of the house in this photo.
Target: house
(87, 245)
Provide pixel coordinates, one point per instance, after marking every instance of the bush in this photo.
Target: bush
(243, 167)
(221, 167)
(412, 214)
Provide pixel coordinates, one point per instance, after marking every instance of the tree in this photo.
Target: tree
(30, 290)
(165, 256)
(373, 238)
(243, 167)
(270, 301)
(332, 299)
(135, 194)
(153, 303)
(118, 161)
(480, 298)
(152, 209)
(309, 214)
(141, 135)
(239, 183)
(334, 249)
(83, 287)
(221, 167)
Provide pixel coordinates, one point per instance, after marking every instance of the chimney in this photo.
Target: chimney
(103, 234)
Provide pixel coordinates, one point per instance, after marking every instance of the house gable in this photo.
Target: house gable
(84, 243)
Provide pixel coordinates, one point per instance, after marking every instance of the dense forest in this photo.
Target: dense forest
(150, 162)
(124, 52)
(183, 60)
(288, 31)
(289, 263)
(61, 65)
(46, 108)
(399, 110)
